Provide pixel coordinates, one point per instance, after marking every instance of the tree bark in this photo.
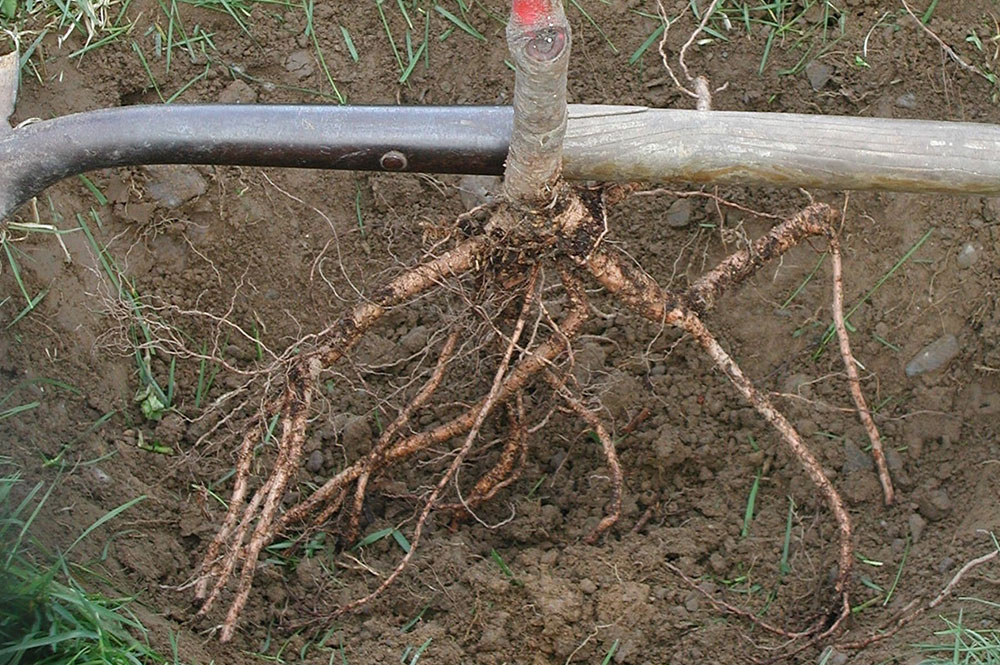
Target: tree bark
(539, 39)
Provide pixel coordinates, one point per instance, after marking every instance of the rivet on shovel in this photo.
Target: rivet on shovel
(393, 160)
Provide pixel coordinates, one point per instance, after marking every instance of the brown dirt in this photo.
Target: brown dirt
(250, 247)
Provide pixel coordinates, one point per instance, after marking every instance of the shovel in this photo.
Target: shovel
(607, 143)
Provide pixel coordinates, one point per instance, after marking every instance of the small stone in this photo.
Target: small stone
(557, 459)
(893, 459)
(916, 524)
(967, 256)
(807, 428)
(97, 476)
(300, 64)
(309, 572)
(587, 586)
(935, 505)
(171, 430)
(679, 214)
(798, 384)
(814, 14)
(819, 74)
(626, 651)
(357, 432)
(173, 185)
(693, 602)
(831, 656)
(415, 340)
(946, 564)
(238, 92)
(856, 459)
(934, 356)
(907, 100)
(477, 190)
(315, 462)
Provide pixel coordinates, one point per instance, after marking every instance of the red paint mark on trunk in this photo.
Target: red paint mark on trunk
(530, 12)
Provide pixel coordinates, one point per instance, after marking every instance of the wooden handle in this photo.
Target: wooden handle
(9, 70)
(634, 143)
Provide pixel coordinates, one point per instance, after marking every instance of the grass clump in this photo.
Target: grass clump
(46, 615)
(963, 645)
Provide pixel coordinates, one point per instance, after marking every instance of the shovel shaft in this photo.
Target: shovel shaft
(609, 143)
(422, 139)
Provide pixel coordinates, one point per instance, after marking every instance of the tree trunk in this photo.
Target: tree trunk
(539, 39)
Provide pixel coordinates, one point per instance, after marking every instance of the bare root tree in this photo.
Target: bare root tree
(542, 240)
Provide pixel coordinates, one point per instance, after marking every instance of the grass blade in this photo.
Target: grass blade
(899, 573)
(103, 520)
(16, 271)
(10, 413)
(751, 504)
(882, 280)
(462, 25)
(28, 308)
(373, 537)
(639, 52)
(350, 43)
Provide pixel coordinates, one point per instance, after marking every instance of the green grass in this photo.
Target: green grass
(412, 656)
(959, 643)
(984, 39)
(504, 568)
(611, 652)
(27, 22)
(750, 506)
(830, 332)
(415, 31)
(47, 615)
(782, 23)
(9, 407)
(779, 22)
(311, 33)
(381, 534)
(207, 371)
(153, 398)
(976, 642)
(11, 257)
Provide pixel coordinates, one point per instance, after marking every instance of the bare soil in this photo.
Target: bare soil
(281, 254)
